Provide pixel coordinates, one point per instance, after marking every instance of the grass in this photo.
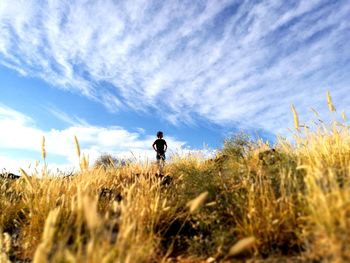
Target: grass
(250, 202)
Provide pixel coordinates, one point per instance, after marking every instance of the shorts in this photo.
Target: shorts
(160, 156)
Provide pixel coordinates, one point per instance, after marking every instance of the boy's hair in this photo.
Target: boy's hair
(159, 134)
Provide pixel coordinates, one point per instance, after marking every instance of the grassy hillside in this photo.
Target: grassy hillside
(290, 202)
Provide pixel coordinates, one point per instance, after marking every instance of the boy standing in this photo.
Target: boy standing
(160, 146)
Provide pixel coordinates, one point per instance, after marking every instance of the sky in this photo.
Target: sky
(113, 73)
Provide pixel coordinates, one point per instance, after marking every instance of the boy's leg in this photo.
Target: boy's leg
(162, 163)
(158, 162)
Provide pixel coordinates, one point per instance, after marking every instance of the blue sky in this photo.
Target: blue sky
(114, 72)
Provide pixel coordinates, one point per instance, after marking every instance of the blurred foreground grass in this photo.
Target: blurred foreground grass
(251, 202)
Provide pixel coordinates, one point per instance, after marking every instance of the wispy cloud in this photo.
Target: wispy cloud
(239, 62)
(19, 132)
(71, 120)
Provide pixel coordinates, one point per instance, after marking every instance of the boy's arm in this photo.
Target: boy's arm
(166, 147)
(154, 145)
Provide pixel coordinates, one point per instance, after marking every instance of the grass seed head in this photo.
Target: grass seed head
(26, 178)
(90, 211)
(5, 243)
(43, 250)
(77, 146)
(196, 203)
(242, 246)
(343, 115)
(330, 103)
(295, 118)
(43, 151)
(50, 223)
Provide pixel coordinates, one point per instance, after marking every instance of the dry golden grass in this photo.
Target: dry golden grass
(250, 202)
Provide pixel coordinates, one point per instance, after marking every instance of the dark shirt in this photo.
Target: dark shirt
(160, 145)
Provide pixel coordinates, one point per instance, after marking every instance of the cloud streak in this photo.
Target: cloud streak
(241, 62)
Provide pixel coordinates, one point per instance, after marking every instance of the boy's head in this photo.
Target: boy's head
(160, 135)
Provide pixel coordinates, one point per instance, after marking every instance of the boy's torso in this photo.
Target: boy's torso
(160, 144)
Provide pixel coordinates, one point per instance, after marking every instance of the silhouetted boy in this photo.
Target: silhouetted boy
(160, 146)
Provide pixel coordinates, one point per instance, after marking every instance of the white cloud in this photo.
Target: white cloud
(12, 165)
(228, 61)
(20, 133)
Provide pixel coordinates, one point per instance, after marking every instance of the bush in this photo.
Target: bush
(106, 160)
